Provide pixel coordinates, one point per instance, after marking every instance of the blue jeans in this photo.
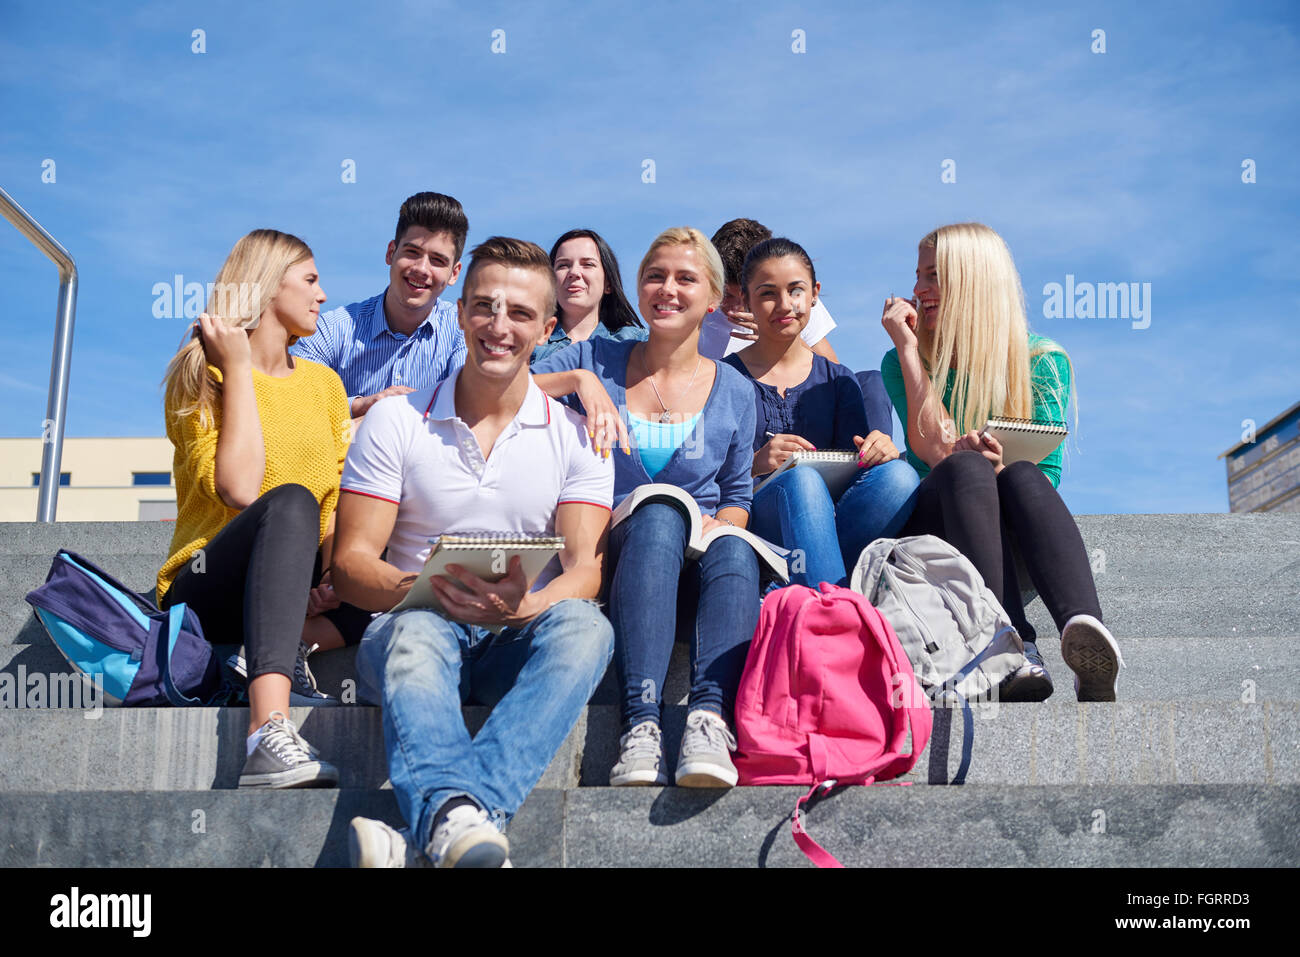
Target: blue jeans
(655, 586)
(421, 668)
(795, 510)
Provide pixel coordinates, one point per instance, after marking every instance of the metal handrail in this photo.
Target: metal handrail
(56, 403)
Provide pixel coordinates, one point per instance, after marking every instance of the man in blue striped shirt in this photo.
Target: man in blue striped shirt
(405, 338)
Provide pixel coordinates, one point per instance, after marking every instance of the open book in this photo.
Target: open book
(771, 557)
(837, 469)
(1026, 440)
(485, 554)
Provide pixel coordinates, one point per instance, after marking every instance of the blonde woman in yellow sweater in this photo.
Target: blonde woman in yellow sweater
(260, 438)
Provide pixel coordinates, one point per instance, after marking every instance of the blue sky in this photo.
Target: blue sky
(1122, 166)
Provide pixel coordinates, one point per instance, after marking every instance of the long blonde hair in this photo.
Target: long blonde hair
(981, 332)
(244, 288)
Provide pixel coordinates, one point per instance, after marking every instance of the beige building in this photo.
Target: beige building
(103, 480)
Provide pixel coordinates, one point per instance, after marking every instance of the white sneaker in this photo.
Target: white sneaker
(374, 844)
(640, 758)
(705, 759)
(1093, 655)
(466, 838)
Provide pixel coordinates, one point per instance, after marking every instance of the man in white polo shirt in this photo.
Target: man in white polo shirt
(484, 450)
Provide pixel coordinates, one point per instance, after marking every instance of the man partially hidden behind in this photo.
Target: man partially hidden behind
(405, 338)
(482, 450)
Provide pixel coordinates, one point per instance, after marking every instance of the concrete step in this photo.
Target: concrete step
(1175, 589)
(1159, 576)
(973, 826)
(990, 826)
(1157, 669)
(1056, 742)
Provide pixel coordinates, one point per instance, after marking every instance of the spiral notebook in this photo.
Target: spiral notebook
(485, 554)
(836, 467)
(1026, 440)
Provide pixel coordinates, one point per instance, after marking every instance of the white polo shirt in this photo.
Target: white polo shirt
(414, 451)
(717, 341)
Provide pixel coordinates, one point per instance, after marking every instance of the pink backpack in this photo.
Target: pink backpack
(827, 698)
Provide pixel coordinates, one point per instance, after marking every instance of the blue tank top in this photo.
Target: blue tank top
(656, 442)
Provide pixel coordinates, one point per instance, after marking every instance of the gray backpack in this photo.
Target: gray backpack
(954, 631)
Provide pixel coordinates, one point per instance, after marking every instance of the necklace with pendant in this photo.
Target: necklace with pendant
(666, 416)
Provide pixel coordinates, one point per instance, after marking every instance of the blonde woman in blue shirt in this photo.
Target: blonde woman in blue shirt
(692, 425)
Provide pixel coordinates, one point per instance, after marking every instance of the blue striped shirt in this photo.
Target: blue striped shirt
(355, 342)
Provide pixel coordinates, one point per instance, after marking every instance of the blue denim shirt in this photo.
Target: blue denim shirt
(560, 339)
(714, 462)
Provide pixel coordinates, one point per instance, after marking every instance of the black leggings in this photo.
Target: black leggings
(251, 585)
(983, 515)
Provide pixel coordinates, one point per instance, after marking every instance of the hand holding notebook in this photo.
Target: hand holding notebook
(489, 556)
(1025, 440)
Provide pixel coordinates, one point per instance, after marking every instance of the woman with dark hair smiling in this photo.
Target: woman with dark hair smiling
(589, 294)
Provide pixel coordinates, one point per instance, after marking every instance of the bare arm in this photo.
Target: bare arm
(240, 463)
(360, 576)
(926, 421)
(585, 529)
(604, 423)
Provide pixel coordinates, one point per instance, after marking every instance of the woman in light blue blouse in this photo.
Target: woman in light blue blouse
(589, 294)
(691, 422)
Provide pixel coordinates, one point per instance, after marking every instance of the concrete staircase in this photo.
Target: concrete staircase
(1198, 763)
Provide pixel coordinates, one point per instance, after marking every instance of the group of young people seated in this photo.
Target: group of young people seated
(317, 456)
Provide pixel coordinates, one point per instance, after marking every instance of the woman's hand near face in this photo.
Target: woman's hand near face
(899, 320)
(225, 346)
(779, 448)
(749, 332)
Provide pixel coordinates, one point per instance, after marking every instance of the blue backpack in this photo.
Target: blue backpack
(109, 634)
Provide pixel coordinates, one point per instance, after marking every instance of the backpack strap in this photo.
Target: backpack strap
(811, 849)
(967, 716)
(175, 618)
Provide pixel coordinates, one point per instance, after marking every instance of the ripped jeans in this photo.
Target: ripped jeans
(421, 668)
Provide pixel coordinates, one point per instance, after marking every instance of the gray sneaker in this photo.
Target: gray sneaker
(303, 692)
(705, 759)
(467, 838)
(374, 844)
(304, 682)
(282, 759)
(640, 758)
(1093, 655)
(1029, 682)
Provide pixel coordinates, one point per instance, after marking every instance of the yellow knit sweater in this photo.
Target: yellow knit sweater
(305, 431)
